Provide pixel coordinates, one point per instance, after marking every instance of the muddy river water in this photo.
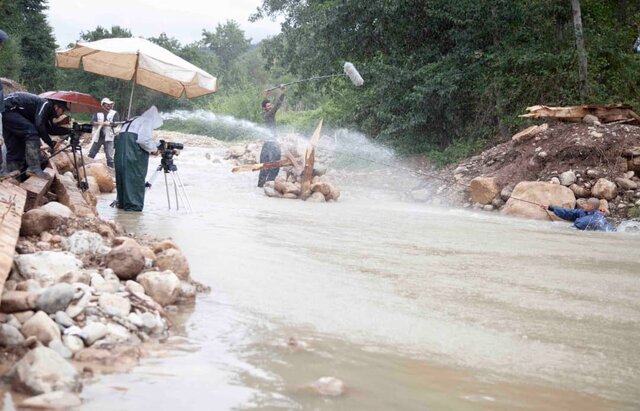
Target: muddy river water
(412, 307)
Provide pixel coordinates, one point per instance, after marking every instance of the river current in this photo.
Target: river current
(412, 307)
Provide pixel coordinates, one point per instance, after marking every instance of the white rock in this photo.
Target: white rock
(10, 335)
(82, 242)
(43, 370)
(76, 308)
(56, 400)
(73, 343)
(134, 287)
(57, 209)
(114, 304)
(135, 319)
(55, 298)
(42, 327)
(94, 332)
(567, 178)
(162, 287)
(118, 332)
(47, 266)
(59, 347)
(63, 319)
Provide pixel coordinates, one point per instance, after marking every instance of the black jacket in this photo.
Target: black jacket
(37, 110)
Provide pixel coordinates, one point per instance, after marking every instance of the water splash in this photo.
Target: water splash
(222, 127)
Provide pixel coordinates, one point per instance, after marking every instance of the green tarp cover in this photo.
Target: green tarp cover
(131, 163)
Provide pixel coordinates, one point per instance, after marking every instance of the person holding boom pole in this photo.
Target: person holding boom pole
(270, 149)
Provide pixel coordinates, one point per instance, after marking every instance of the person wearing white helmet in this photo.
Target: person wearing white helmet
(103, 132)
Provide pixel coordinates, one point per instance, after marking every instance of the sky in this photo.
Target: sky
(182, 19)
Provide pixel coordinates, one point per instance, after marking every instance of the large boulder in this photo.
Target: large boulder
(484, 190)
(528, 192)
(173, 260)
(126, 260)
(47, 266)
(94, 188)
(37, 221)
(604, 188)
(626, 184)
(42, 370)
(57, 209)
(102, 175)
(42, 327)
(164, 245)
(163, 287)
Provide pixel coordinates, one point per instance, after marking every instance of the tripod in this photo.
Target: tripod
(167, 166)
(74, 143)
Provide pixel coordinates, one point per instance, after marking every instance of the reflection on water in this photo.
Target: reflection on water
(412, 307)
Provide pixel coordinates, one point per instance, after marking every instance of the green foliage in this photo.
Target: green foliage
(227, 42)
(634, 212)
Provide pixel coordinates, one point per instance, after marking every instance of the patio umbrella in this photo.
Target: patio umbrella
(77, 102)
(142, 62)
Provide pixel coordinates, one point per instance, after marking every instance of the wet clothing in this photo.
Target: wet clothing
(584, 220)
(270, 152)
(269, 116)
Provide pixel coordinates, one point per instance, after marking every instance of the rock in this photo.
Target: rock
(604, 188)
(83, 241)
(329, 386)
(567, 178)
(554, 180)
(148, 253)
(626, 184)
(43, 370)
(57, 209)
(114, 305)
(56, 400)
(187, 291)
(117, 332)
(316, 197)
(135, 319)
(461, 170)
(505, 193)
(14, 301)
(102, 175)
(173, 260)
(484, 189)
(73, 343)
(94, 332)
(126, 261)
(42, 327)
(94, 188)
(591, 119)
(421, 195)
(540, 193)
(162, 287)
(290, 196)
(592, 173)
(580, 192)
(59, 347)
(271, 192)
(279, 184)
(47, 266)
(134, 287)
(63, 319)
(10, 336)
(37, 221)
(23, 316)
(151, 322)
(55, 298)
(629, 174)
(497, 203)
(164, 245)
(334, 194)
(235, 152)
(529, 133)
(595, 134)
(78, 307)
(487, 207)
(292, 188)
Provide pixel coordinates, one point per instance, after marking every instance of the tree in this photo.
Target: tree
(227, 42)
(582, 52)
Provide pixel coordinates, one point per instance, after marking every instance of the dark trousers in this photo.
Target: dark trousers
(17, 130)
(270, 152)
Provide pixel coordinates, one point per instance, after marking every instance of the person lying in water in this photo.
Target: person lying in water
(589, 218)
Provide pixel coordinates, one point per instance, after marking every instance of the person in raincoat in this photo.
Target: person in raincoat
(270, 149)
(590, 218)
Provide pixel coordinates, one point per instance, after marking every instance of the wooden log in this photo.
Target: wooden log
(605, 113)
(262, 166)
(12, 200)
(71, 196)
(309, 161)
(37, 188)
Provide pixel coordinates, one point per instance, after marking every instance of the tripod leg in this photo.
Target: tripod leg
(175, 188)
(166, 186)
(184, 191)
(85, 184)
(150, 182)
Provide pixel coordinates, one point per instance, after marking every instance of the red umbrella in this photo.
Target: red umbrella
(77, 102)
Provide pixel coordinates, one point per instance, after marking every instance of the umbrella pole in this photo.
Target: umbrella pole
(133, 86)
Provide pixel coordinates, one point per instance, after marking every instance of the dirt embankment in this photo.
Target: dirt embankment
(576, 155)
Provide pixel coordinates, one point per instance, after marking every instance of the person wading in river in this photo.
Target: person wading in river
(270, 149)
(589, 218)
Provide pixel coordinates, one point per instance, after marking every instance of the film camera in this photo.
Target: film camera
(168, 148)
(77, 129)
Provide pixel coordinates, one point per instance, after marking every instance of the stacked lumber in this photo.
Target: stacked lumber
(12, 201)
(604, 113)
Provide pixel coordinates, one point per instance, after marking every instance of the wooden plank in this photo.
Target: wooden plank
(37, 188)
(309, 160)
(262, 166)
(70, 195)
(12, 200)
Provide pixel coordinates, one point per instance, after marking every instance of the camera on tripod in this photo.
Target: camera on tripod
(168, 149)
(77, 129)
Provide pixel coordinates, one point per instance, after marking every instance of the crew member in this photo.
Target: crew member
(270, 149)
(103, 134)
(589, 218)
(3, 40)
(28, 118)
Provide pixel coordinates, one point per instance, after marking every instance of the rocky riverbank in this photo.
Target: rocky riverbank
(562, 164)
(82, 297)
